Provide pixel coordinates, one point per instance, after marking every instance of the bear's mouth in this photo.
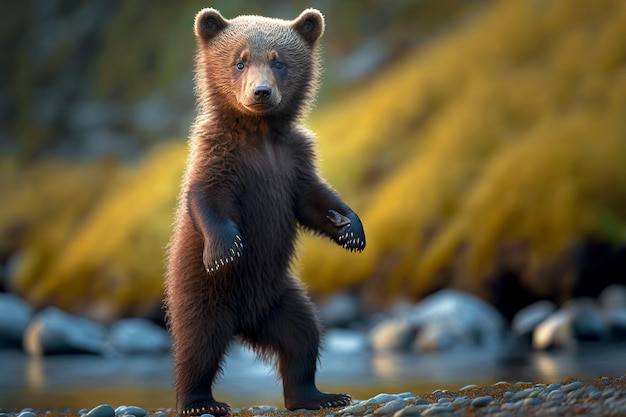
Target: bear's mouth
(259, 107)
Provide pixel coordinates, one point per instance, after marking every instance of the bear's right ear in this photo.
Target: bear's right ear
(310, 25)
(209, 22)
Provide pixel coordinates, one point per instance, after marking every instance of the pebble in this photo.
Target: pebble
(385, 398)
(391, 407)
(131, 410)
(103, 410)
(355, 409)
(482, 401)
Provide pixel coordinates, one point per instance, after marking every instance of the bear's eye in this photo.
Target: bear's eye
(240, 65)
(279, 65)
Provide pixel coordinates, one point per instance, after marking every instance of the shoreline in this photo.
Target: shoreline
(601, 397)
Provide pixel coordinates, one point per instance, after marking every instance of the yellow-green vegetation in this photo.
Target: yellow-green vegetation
(508, 130)
(105, 260)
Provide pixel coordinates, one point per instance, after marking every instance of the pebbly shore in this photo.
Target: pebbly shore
(602, 397)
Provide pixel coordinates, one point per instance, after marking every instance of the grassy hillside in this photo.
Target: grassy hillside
(510, 131)
(502, 144)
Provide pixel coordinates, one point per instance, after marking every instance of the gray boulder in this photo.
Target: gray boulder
(528, 318)
(53, 331)
(555, 332)
(339, 310)
(15, 314)
(613, 305)
(392, 334)
(138, 336)
(450, 319)
(588, 322)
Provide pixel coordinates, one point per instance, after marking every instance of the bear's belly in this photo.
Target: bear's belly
(267, 220)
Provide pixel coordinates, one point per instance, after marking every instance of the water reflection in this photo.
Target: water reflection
(77, 382)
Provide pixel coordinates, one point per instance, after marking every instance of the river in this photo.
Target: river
(75, 382)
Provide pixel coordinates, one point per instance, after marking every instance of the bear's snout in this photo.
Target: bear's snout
(262, 93)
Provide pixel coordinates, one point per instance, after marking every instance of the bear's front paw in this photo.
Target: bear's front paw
(213, 262)
(350, 234)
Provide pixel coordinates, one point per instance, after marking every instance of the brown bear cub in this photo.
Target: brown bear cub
(251, 180)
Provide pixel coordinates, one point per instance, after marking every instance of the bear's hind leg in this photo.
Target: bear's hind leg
(202, 328)
(197, 360)
(292, 333)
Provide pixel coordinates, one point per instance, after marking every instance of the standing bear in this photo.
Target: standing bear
(251, 179)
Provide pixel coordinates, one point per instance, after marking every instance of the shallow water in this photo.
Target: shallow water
(75, 382)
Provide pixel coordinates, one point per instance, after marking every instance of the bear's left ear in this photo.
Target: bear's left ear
(310, 25)
(209, 22)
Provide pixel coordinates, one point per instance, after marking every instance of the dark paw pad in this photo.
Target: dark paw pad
(215, 408)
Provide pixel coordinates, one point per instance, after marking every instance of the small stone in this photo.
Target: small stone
(555, 395)
(160, 414)
(370, 402)
(528, 392)
(553, 387)
(467, 387)
(461, 402)
(439, 410)
(136, 411)
(420, 401)
(572, 386)
(482, 401)
(531, 401)
(27, 414)
(406, 395)
(391, 407)
(4, 415)
(385, 398)
(500, 384)
(354, 409)
(440, 392)
(410, 411)
(207, 415)
(103, 410)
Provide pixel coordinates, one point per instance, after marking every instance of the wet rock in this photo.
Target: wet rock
(587, 321)
(339, 310)
(482, 401)
(138, 336)
(452, 319)
(394, 334)
(127, 410)
(53, 331)
(528, 318)
(345, 341)
(391, 407)
(103, 410)
(612, 302)
(612, 297)
(555, 332)
(15, 315)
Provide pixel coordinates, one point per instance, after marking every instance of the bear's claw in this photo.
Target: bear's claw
(215, 408)
(350, 234)
(235, 251)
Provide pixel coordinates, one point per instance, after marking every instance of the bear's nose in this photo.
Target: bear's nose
(262, 92)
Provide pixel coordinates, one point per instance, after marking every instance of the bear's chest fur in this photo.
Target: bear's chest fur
(266, 195)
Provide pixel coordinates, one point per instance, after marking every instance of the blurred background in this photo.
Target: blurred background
(483, 144)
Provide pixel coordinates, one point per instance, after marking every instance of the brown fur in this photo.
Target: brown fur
(251, 180)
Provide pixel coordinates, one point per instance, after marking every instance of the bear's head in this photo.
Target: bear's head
(256, 65)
